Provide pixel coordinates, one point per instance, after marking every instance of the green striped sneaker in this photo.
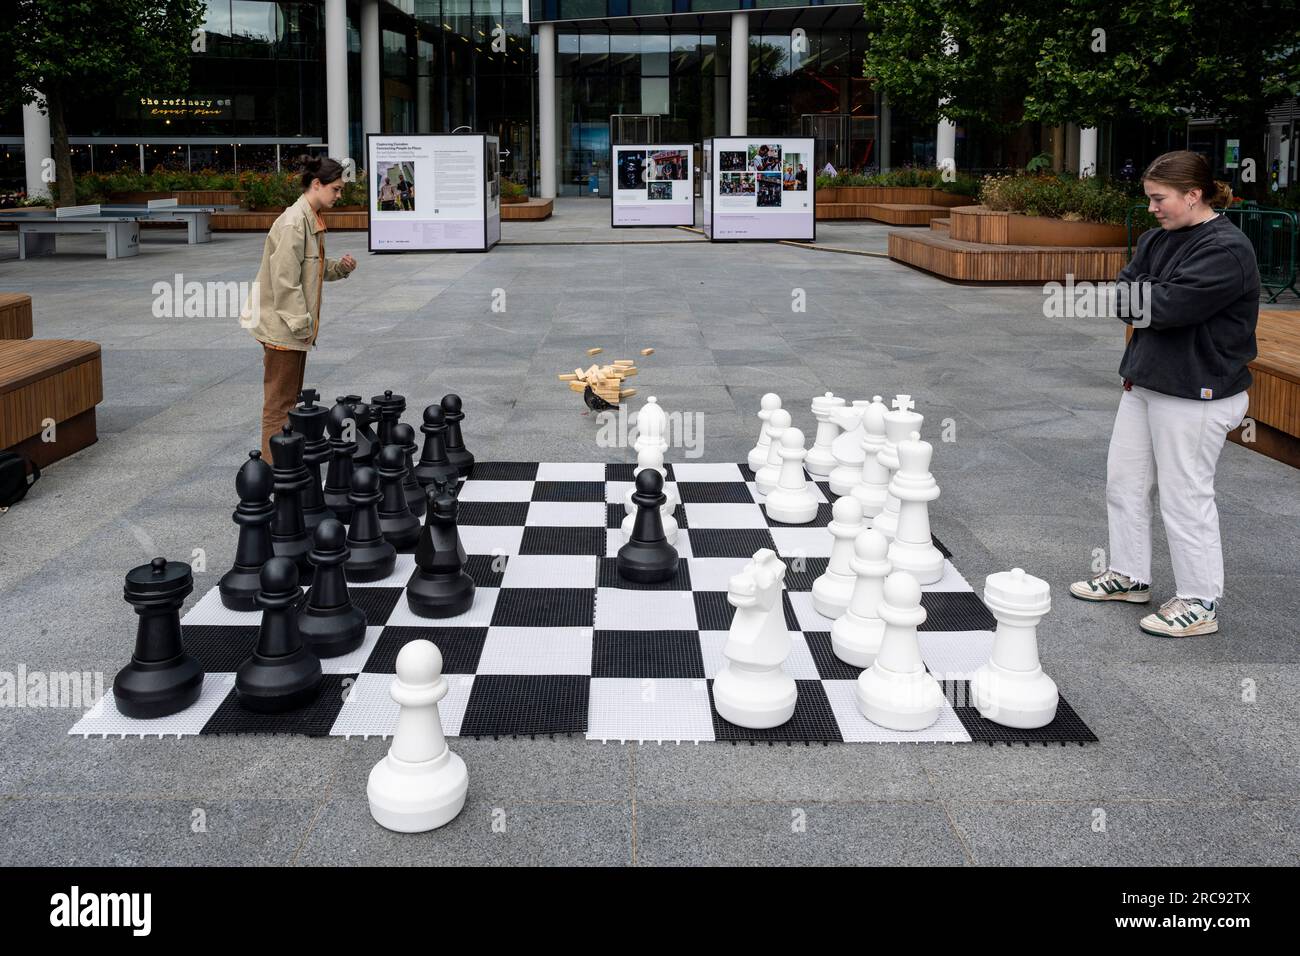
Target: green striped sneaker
(1181, 617)
(1111, 586)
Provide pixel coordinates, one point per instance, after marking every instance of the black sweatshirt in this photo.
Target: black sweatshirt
(1203, 306)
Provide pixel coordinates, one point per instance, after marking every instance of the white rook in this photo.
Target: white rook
(1011, 689)
(821, 460)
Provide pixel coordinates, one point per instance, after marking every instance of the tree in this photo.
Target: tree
(58, 48)
(1084, 61)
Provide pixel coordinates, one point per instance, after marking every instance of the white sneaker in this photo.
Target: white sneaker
(1179, 617)
(1111, 586)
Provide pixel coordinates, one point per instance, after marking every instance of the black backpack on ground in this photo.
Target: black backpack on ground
(14, 482)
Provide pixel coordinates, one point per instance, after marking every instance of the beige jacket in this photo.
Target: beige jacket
(283, 307)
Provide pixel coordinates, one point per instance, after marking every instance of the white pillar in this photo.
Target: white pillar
(739, 74)
(336, 78)
(36, 149)
(371, 102)
(1088, 151)
(883, 133)
(945, 140)
(546, 146)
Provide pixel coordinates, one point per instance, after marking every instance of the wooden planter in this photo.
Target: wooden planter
(354, 219)
(979, 224)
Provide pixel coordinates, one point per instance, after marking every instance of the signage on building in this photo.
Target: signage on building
(169, 107)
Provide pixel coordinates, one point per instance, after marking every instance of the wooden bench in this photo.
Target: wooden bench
(1275, 394)
(15, 315)
(43, 380)
(534, 210)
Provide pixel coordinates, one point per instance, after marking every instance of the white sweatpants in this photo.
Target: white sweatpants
(1173, 442)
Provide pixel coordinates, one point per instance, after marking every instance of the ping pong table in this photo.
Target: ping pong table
(119, 223)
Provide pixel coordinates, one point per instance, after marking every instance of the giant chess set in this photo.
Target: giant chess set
(798, 596)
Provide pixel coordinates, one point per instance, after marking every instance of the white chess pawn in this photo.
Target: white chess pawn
(912, 549)
(832, 591)
(420, 785)
(652, 458)
(857, 633)
(873, 490)
(847, 448)
(651, 427)
(792, 501)
(1011, 688)
(766, 478)
(821, 460)
(900, 421)
(897, 691)
(758, 454)
(752, 690)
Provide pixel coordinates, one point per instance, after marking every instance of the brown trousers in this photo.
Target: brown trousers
(283, 371)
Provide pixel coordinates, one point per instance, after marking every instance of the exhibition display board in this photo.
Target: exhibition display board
(434, 192)
(653, 185)
(759, 187)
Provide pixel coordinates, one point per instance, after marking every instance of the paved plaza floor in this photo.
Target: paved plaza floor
(1199, 738)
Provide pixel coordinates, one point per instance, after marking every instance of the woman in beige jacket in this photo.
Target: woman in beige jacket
(283, 312)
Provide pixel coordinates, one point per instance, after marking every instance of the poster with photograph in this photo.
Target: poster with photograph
(654, 185)
(434, 192)
(761, 188)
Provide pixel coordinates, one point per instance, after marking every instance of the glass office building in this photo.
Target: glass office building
(556, 80)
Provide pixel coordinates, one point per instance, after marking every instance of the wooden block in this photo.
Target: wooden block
(596, 351)
(567, 377)
(626, 392)
(624, 362)
(577, 387)
(628, 373)
(647, 351)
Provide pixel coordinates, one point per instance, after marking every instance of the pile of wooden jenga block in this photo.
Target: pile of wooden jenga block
(606, 381)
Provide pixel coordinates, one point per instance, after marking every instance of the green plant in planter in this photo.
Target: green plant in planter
(513, 191)
(1069, 198)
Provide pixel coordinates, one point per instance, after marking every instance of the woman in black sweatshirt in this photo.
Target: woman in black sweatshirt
(1193, 306)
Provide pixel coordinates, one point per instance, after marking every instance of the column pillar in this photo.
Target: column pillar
(1087, 151)
(371, 99)
(547, 147)
(884, 132)
(36, 149)
(739, 74)
(336, 79)
(945, 139)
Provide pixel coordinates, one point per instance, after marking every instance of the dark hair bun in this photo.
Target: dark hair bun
(318, 167)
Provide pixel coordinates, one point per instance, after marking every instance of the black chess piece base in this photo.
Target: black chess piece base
(273, 685)
(370, 562)
(440, 595)
(647, 564)
(238, 588)
(332, 632)
(150, 689)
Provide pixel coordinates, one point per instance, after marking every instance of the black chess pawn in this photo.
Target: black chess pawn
(308, 420)
(370, 556)
(389, 408)
(289, 537)
(161, 678)
(329, 623)
(400, 527)
(440, 587)
(404, 438)
(457, 453)
(365, 437)
(433, 460)
(281, 674)
(648, 557)
(253, 514)
(342, 427)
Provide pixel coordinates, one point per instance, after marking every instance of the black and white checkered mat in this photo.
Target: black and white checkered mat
(556, 642)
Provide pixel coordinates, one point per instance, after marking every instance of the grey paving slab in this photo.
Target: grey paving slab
(1118, 834)
(788, 834)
